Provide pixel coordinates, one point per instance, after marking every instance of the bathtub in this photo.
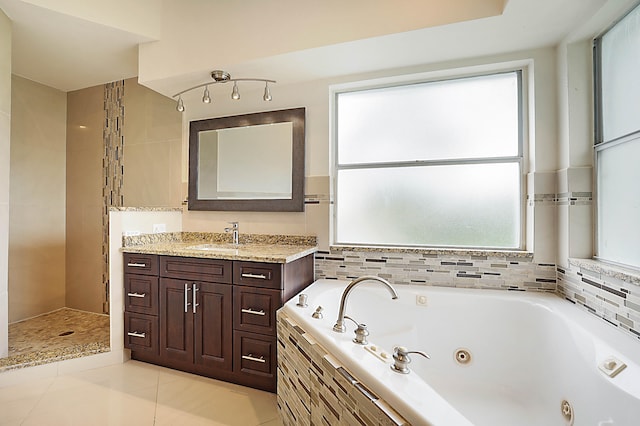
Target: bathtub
(497, 357)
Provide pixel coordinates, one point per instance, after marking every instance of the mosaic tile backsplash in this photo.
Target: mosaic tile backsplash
(491, 270)
(613, 297)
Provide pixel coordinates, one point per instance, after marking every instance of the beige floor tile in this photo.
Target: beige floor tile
(94, 405)
(31, 388)
(17, 410)
(135, 393)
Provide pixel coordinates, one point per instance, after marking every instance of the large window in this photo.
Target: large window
(435, 163)
(617, 85)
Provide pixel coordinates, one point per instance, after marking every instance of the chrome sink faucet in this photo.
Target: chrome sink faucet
(235, 230)
(339, 326)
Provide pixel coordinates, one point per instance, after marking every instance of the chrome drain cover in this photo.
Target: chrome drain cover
(462, 356)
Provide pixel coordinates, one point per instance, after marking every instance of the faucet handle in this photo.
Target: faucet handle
(361, 332)
(401, 359)
(234, 225)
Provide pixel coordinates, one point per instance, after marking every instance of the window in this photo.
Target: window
(435, 163)
(617, 141)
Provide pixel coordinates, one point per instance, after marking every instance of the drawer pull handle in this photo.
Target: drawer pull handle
(137, 265)
(260, 276)
(250, 357)
(137, 295)
(136, 334)
(252, 312)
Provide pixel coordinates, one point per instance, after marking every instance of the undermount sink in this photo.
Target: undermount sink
(215, 247)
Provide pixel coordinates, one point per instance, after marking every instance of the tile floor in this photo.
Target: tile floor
(135, 393)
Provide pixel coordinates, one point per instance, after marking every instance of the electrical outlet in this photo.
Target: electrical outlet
(159, 227)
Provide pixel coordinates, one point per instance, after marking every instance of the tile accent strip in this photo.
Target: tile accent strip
(112, 169)
(472, 270)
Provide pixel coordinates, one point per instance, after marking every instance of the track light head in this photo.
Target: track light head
(235, 94)
(267, 93)
(206, 97)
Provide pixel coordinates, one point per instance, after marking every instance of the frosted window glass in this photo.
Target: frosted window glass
(619, 203)
(453, 119)
(467, 205)
(620, 68)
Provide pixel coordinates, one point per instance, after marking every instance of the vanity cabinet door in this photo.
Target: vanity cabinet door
(141, 294)
(176, 321)
(140, 264)
(213, 326)
(255, 309)
(141, 333)
(255, 359)
(256, 274)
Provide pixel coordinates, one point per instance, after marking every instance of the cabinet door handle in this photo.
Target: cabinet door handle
(136, 334)
(195, 297)
(250, 357)
(141, 295)
(252, 312)
(258, 276)
(186, 297)
(137, 265)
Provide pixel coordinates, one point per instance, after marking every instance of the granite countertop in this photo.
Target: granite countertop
(252, 247)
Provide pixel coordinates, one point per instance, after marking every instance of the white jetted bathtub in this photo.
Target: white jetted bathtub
(497, 357)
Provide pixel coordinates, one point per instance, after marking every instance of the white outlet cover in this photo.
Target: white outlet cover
(159, 227)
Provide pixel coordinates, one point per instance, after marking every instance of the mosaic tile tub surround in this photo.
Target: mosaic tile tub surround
(604, 291)
(315, 389)
(446, 268)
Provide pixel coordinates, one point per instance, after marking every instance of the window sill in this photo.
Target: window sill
(624, 274)
(520, 254)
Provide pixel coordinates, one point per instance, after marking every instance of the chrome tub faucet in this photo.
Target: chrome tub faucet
(339, 326)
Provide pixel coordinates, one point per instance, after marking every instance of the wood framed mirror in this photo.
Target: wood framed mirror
(249, 162)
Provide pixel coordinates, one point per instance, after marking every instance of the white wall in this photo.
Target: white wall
(315, 97)
(5, 143)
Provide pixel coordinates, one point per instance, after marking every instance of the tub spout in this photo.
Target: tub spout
(339, 326)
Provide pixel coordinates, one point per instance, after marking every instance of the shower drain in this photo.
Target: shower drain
(567, 411)
(462, 356)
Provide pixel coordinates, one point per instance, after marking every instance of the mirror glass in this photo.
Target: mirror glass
(248, 162)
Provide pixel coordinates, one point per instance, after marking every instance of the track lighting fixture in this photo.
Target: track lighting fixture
(219, 76)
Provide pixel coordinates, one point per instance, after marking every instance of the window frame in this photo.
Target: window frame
(521, 158)
(599, 142)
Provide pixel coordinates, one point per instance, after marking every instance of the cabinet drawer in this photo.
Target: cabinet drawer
(255, 355)
(255, 309)
(268, 275)
(143, 264)
(141, 294)
(141, 333)
(196, 269)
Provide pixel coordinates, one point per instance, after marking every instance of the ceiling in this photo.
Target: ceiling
(172, 44)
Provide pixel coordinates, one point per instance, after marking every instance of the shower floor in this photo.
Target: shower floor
(62, 334)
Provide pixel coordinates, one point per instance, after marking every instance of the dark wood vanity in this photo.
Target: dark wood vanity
(207, 316)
